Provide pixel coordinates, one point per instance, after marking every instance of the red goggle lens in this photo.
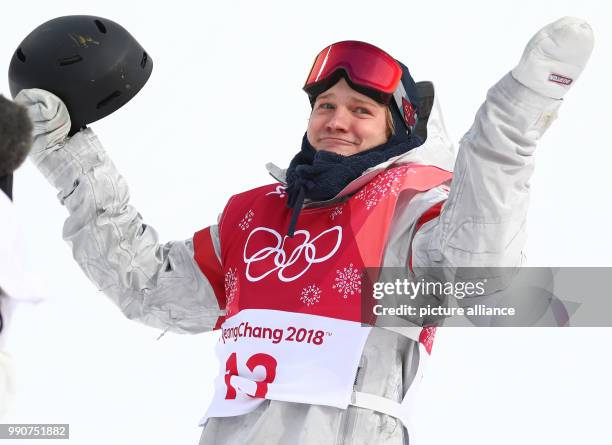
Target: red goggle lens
(365, 65)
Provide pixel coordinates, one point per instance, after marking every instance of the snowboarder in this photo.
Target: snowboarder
(280, 272)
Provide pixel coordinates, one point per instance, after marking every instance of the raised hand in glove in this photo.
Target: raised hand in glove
(555, 57)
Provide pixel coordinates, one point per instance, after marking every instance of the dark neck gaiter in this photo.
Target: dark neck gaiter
(321, 175)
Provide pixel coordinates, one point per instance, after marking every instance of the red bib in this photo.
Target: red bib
(292, 329)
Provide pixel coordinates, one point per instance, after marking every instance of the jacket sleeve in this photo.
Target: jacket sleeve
(157, 284)
(482, 224)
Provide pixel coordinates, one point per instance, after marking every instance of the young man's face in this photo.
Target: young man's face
(346, 122)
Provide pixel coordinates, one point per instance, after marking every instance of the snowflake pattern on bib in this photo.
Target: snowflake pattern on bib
(384, 184)
(348, 281)
(427, 337)
(310, 295)
(246, 220)
(231, 284)
(336, 211)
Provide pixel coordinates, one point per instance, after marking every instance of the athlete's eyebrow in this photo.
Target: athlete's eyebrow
(326, 96)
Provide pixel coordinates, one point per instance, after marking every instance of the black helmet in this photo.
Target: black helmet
(93, 64)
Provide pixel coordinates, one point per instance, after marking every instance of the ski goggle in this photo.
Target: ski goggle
(368, 68)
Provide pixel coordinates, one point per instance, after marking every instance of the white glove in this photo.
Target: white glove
(50, 120)
(555, 56)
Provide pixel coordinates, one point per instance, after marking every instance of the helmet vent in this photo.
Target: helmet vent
(108, 99)
(100, 26)
(20, 55)
(70, 60)
(143, 61)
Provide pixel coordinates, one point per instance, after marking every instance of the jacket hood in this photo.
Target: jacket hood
(437, 150)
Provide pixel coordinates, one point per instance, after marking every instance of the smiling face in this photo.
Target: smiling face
(346, 122)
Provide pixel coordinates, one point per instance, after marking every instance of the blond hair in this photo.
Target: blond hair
(389, 122)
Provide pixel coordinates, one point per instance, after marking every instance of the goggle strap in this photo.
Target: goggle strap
(398, 95)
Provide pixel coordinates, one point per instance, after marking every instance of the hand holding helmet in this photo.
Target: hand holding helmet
(49, 118)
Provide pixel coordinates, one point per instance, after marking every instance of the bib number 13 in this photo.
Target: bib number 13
(231, 368)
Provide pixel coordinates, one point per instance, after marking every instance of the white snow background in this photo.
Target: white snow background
(224, 98)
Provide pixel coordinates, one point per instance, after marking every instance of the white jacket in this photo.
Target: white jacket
(482, 223)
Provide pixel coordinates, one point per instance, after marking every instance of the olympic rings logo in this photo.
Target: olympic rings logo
(282, 260)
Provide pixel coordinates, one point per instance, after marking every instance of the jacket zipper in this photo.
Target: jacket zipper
(349, 415)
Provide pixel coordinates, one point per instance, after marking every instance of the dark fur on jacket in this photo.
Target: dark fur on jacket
(15, 140)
